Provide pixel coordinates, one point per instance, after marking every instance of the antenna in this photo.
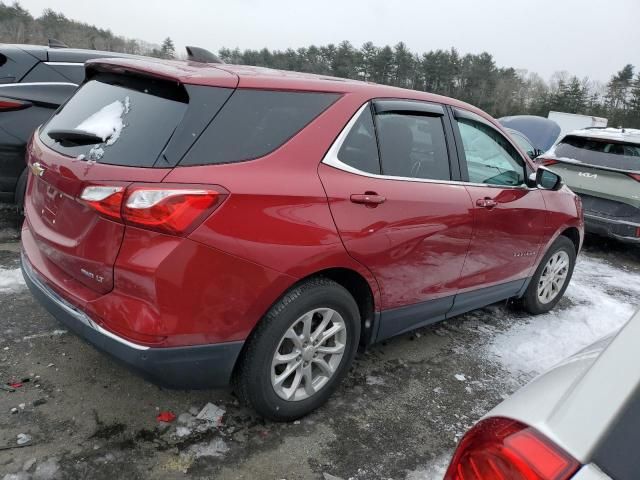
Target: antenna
(53, 43)
(201, 55)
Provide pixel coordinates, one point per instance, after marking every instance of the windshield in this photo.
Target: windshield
(601, 153)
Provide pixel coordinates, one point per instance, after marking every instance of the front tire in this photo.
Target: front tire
(300, 351)
(552, 277)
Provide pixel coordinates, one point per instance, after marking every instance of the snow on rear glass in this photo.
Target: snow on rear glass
(107, 123)
(134, 126)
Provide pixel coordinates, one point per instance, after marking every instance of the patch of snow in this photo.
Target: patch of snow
(95, 154)
(434, 471)
(55, 333)
(373, 380)
(609, 133)
(460, 377)
(185, 419)
(216, 448)
(11, 280)
(106, 123)
(46, 470)
(17, 476)
(603, 297)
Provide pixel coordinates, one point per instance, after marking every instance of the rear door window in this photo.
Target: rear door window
(134, 124)
(254, 123)
(600, 153)
(413, 146)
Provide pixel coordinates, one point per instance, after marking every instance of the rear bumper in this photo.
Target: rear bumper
(612, 227)
(191, 367)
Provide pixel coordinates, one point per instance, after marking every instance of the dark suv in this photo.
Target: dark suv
(34, 81)
(208, 224)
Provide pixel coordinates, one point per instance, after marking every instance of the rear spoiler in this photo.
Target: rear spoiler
(194, 73)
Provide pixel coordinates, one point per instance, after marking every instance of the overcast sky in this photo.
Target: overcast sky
(591, 38)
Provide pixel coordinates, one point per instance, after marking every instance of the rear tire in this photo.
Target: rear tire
(280, 344)
(552, 277)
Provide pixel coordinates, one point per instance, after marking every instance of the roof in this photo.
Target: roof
(244, 76)
(628, 135)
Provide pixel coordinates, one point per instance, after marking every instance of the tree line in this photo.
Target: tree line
(17, 25)
(474, 78)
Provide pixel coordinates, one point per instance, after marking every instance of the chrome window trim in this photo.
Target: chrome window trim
(65, 64)
(31, 84)
(331, 159)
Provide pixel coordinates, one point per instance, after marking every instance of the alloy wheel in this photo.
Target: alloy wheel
(553, 277)
(308, 354)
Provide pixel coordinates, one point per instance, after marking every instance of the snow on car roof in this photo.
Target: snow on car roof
(630, 135)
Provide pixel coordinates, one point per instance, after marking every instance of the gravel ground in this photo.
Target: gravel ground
(398, 415)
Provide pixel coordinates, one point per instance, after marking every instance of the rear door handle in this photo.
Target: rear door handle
(370, 199)
(486, 202)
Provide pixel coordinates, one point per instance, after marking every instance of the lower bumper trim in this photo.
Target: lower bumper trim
(620, 229)
(191, 367)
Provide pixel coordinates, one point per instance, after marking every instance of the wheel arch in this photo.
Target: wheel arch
(573, 234)
(360, 289)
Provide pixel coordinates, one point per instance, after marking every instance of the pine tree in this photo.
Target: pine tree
(168, 50)
(633, 116)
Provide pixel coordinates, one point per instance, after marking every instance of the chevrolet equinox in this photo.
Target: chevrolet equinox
(215, 224)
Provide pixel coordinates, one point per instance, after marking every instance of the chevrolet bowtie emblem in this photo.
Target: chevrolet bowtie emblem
(37, 169)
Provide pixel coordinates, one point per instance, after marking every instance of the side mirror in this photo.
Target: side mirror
(545, 179)
(537, 152)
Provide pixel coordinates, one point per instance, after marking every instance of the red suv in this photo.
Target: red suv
(214, 224)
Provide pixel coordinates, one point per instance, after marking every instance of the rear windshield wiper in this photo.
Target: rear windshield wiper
(74, 137)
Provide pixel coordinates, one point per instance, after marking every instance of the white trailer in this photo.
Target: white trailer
(569, 122)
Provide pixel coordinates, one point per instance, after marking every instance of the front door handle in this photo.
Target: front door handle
(370, 199)
(486, 202)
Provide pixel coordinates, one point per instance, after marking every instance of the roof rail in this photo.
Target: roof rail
(53, 43)
(201, 55)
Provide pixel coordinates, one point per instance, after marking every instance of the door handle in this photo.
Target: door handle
(486, 202)
(370, 199)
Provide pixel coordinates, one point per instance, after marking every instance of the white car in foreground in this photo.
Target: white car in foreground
(580, 421)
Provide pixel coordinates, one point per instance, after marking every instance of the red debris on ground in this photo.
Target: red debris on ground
(166, 417)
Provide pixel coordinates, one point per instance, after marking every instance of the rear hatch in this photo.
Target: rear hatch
(123, 126)
(606, 173)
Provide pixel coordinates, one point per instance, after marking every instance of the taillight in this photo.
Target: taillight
(167, 208)
(503, 449)
(8, 104)
(105, 199)
(545, 162)
(635, 176)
